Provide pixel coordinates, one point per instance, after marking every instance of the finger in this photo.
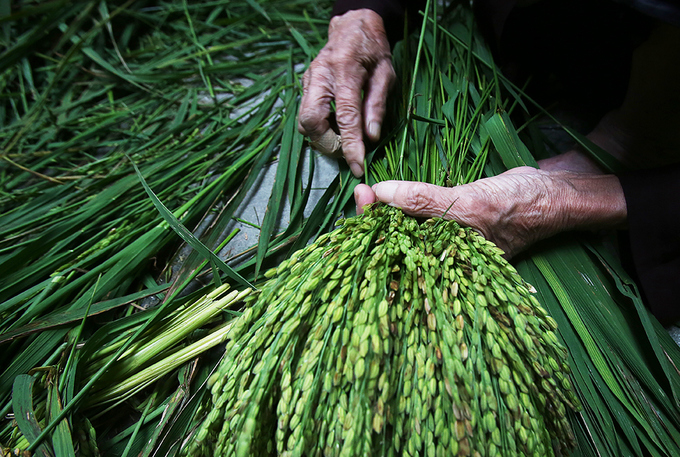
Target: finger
(415, 198)
(375, 98)
(348, 114)
(363, 196)
(315, 106)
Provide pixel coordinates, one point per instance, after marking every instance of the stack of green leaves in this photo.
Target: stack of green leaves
(624, 364)
(154, 352)
(196, 99)
(623, 361)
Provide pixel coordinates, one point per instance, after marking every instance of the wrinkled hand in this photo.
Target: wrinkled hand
(357, 57)
(514, 209)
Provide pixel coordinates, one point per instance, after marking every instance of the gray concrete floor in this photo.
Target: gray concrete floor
(254, 205)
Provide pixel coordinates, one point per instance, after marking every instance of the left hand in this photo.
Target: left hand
(514, 209)
(355, 70)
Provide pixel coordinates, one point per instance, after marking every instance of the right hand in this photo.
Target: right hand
(357, 57)
(514, 209)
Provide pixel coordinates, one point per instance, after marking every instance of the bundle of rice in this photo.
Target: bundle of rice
(391, 337)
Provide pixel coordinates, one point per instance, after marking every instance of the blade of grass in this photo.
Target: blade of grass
(22, 400)
(62, 439)
(187, 236)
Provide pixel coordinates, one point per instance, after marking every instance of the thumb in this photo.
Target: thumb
(415, 198)
(363, 196)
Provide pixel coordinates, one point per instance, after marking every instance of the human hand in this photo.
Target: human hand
(357, 57)
(514, 209)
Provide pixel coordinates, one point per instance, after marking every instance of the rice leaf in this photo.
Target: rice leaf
(62, 439)
(141, 421)
(300, 39)
(22, 403)
(72, 315)
(187, 236)
(276, 198)
(512, 150)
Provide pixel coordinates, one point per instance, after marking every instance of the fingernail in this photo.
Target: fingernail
(385, 191)
(374, 129)
(357, 169)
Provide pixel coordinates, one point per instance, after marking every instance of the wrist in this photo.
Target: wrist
(392, 14)
(365, 20)
(588, 201)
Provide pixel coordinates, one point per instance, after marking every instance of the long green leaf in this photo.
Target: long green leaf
(189, 237)
(22, 400)
(62, 438)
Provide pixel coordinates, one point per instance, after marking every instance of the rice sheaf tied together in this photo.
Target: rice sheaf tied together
(389, 336)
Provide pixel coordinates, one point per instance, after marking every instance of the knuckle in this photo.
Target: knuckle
(308, 72)
(322, 60)
(306, 79)
(301, 128)
(317, 73)
(376, 105)
(349, 57)
(309, 122)
(348, 116)
(348, 65)
(419, 198)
